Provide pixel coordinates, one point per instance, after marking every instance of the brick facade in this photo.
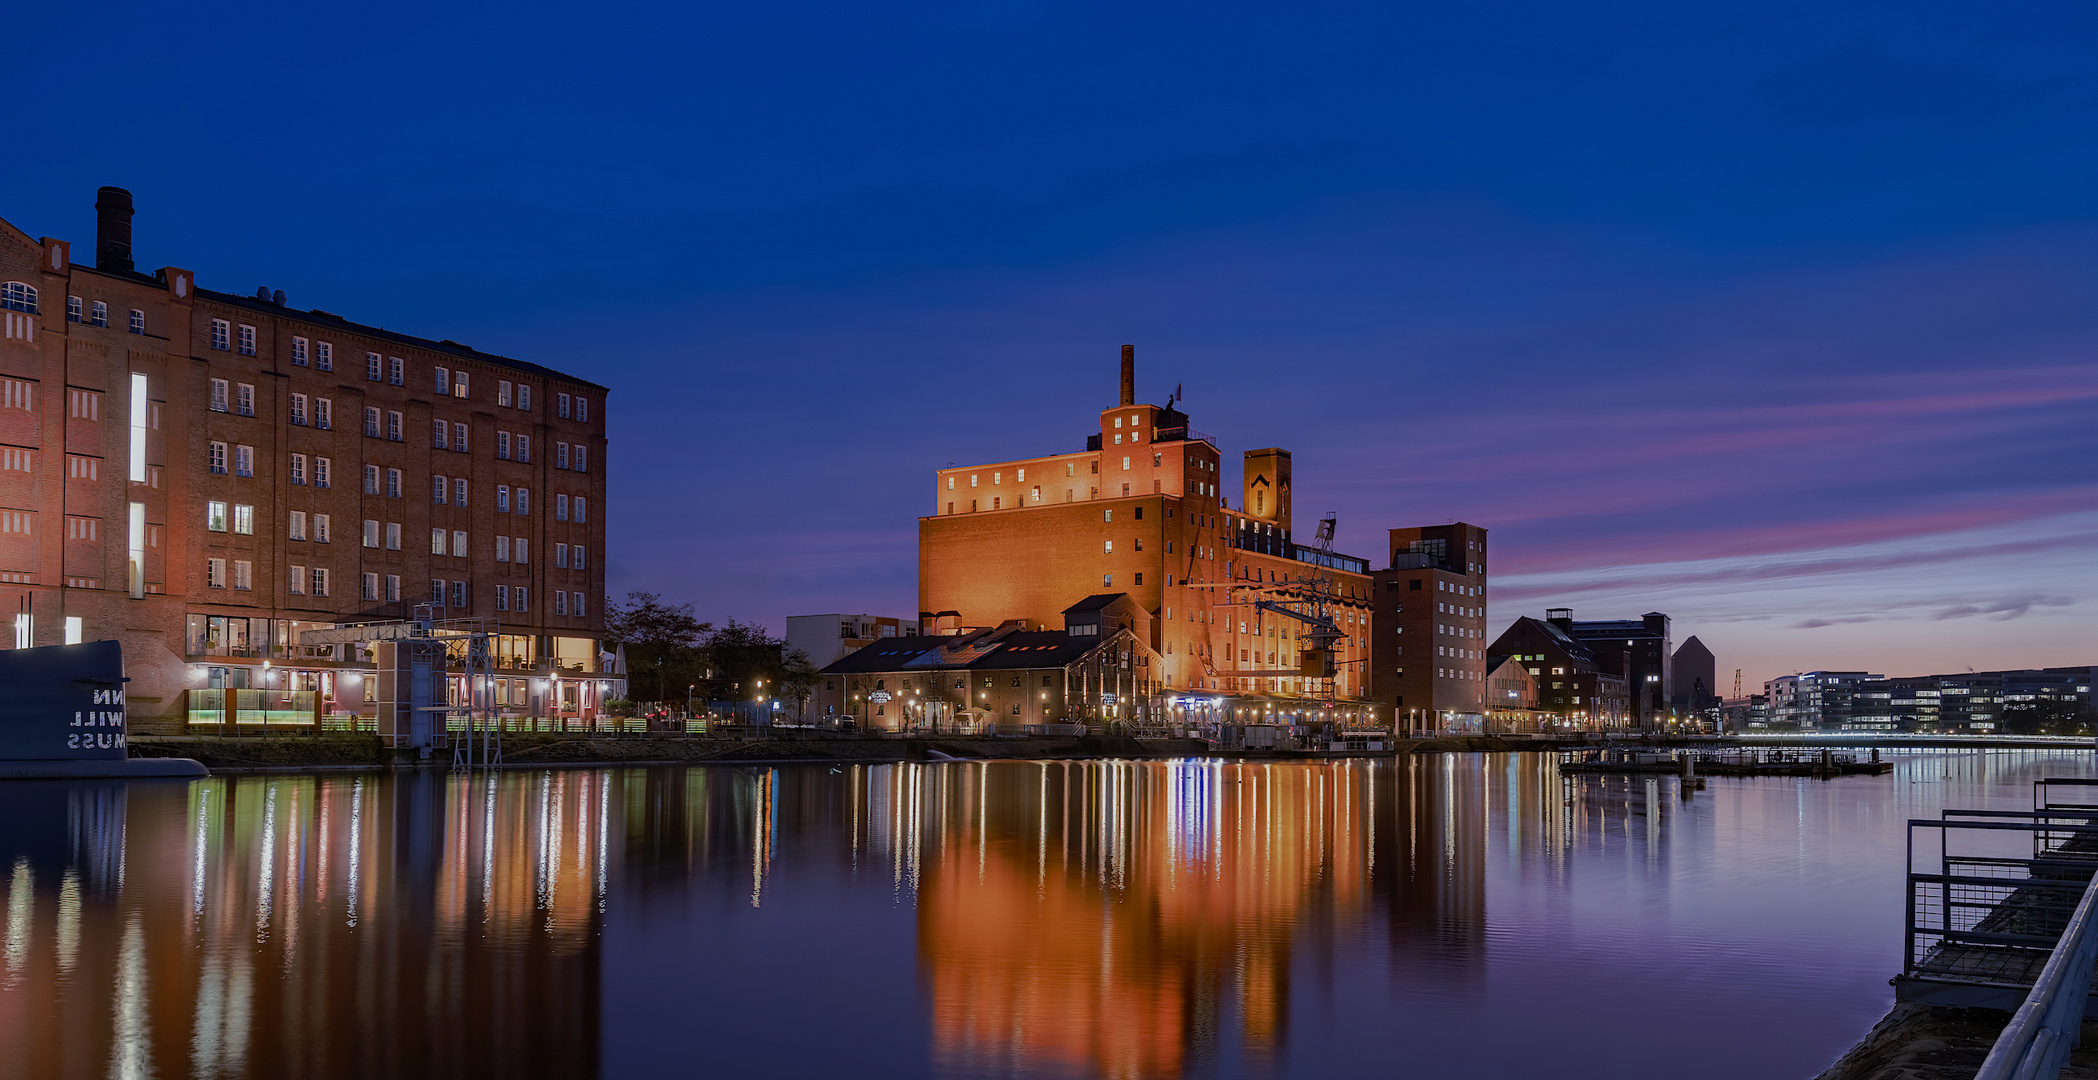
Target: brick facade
(252, 439)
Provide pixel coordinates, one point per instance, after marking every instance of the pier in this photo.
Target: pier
(1819, 763)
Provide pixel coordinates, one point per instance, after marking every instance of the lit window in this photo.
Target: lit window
(437, 541)
(243, 519)
(215, 573)
(296, 582)
(215, 516)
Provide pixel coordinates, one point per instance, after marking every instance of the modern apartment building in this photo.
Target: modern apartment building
(203, 476)
(1428, 654)
(1144, 510)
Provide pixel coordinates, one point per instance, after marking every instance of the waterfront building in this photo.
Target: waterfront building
(824, 639)
(1636, 649)
(1513, 704)
(1575, 691)
(1428, 649)
(1144, 510)
(1098, 668)
(203, 476)
(1817, 700)
(2024, 701)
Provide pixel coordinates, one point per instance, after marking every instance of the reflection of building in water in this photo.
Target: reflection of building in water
(1113, 917)
(340, 926)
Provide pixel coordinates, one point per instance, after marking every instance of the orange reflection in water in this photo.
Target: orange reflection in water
(1108, 918)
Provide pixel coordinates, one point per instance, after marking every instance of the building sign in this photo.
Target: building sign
(879, 697)
(1107, 700)
(63, 703)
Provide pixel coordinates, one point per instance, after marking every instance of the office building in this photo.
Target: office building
(1428, 651)
(203, 476)
(1818, 700)
(1144, 510)
(2024, 702)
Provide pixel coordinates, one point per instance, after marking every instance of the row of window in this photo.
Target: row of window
(447, 382)
(315, 581)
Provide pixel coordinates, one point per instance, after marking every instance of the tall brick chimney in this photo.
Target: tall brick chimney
(113, 229)
(1128, 374)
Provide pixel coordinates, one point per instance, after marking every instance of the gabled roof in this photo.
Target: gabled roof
(1095, 602)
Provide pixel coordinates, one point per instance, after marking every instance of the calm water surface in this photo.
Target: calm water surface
(1475, 916)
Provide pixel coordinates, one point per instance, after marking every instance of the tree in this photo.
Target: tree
(665, 644)
(747, 663)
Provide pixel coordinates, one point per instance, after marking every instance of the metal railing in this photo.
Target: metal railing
(2049, 1024)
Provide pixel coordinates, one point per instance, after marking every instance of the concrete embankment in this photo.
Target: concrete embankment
(1924, 1042)
(354, 751)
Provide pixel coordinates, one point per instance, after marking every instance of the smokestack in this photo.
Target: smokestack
(1128, 374)
(113, 229)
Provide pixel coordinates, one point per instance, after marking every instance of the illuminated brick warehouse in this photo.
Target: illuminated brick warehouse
(204, 476)
(1247, 624)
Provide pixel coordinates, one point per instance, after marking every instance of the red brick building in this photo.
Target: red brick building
(1144, 509)
(1428, 660)
(203, 476)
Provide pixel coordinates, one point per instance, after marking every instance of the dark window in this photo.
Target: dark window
(1414, 585)
(1140, 513)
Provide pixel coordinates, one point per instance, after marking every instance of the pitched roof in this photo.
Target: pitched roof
(1094, 602)
(1011, 650)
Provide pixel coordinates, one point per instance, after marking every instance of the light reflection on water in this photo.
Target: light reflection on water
(1437, 916)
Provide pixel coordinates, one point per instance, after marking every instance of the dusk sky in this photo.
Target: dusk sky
(1780, 318)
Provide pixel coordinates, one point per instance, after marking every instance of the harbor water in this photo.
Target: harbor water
(1437, 915)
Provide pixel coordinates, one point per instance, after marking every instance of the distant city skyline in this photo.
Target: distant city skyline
(1786, 326)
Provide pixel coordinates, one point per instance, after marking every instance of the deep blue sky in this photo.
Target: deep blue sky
(1781, 318)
